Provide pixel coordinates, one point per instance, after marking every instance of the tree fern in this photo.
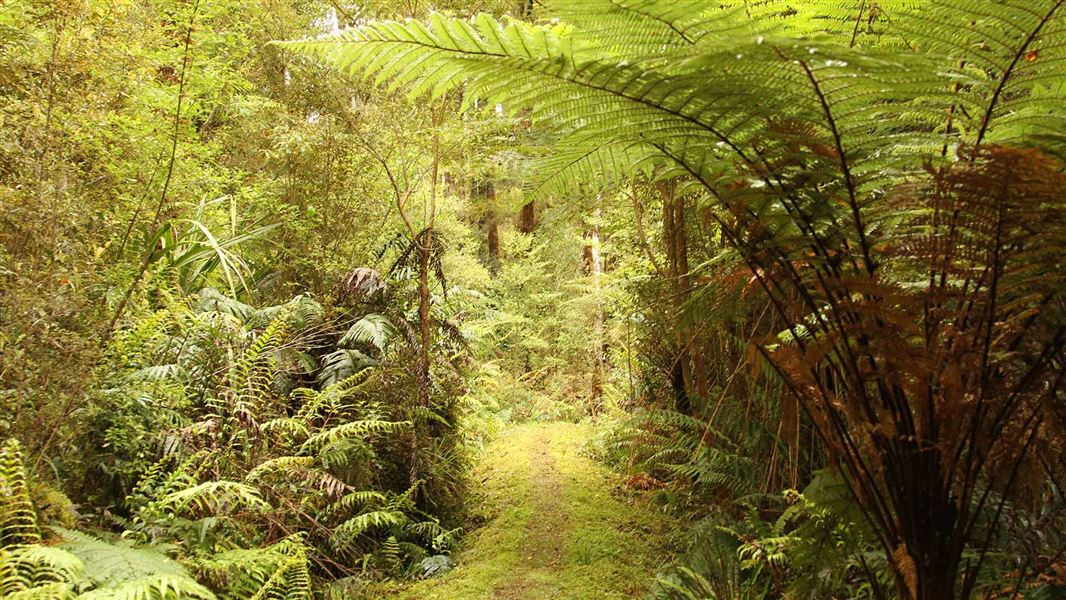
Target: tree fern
(867, 189)
(369, 329)
(151, 587)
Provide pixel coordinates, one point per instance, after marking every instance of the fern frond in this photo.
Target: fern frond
(997, 54)
(32, 567)
(216, 497)
(653, 28)
(353, 500)
(277, 571)
(211, 300)
(151, 587)
(18, 518)
(288, 428)
(369, 329)
(281, 464)
(355, 429)
(360, 524)
(313, 403)
(126, 571)
(50, 591)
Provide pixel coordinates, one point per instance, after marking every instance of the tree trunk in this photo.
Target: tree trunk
(492, 239)
(689, 360)
(595, 267)
(492, 224)
(527, 218)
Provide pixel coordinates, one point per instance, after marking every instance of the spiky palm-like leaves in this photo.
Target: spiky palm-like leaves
(914, 258)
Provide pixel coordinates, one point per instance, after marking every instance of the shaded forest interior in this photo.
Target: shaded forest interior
(287, 288)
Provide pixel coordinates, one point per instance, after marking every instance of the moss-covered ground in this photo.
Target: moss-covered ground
(558, 525)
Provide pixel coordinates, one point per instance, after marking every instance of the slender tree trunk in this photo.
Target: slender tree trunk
(690, 366)
(595, 268)
(492, 239)
(492, 225)
(673, 241)
(425, 330)
(161, 206)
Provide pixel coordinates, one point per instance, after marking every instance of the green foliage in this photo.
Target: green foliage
(276, 571)
(255, 314)
(868, 183)
(18, 519)
(251, 454)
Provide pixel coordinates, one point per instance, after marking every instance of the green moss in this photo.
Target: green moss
(558, 525)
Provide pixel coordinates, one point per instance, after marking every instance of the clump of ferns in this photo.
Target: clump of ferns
(810, 544)
(75, 565)
(280, 570)
(391, 535)
(696, 459)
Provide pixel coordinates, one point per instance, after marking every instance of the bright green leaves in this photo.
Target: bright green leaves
(432, 57)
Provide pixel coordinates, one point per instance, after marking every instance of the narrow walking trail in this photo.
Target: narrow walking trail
(559, 526)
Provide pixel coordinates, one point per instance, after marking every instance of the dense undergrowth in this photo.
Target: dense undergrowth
(798, 265)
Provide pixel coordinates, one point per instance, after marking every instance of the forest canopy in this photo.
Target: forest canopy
(300, 299)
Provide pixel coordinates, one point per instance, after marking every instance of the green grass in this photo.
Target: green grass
(559, 525)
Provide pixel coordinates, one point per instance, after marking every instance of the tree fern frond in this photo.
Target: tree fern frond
(299, 313)
(125, 571)
(344, 364)
(50, 591)
(1015, 46)
(211, 300)
(653, 28)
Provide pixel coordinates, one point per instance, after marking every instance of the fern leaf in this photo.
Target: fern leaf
(151, 587)
(18, 519)
(215, 497)
(355, 429)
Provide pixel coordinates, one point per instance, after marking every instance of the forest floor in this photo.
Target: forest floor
(558, 525)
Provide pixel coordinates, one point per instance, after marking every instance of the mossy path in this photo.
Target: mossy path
(558, 526)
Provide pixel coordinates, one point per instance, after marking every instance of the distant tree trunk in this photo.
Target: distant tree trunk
(527, 218)
(689, 367)
(487, 191)
(594, 261)
(492, 238)
(676, 254)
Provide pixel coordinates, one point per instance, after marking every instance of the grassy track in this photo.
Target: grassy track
(558, 527)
